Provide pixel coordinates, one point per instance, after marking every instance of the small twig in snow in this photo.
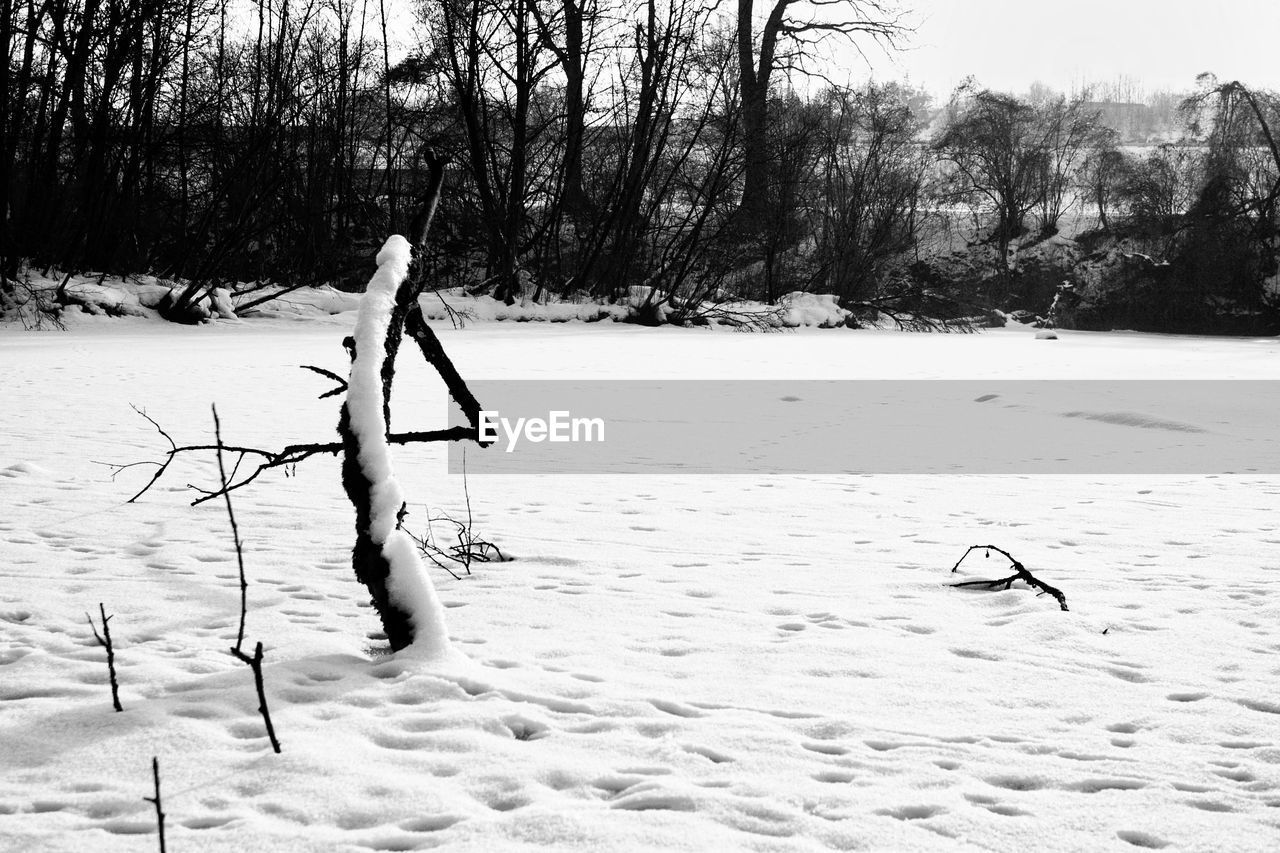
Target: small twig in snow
(105, 642)
(235, 529)
(255, 663)
(1020, 574)
(155, 772)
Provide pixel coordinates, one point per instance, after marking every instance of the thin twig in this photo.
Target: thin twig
(468, 549)
(155, 772)
(466, 493)
(105, 642)
(235, 528)
(329, 374)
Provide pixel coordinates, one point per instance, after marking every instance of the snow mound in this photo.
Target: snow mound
(26, 469)
(220, 302)
(812, 309)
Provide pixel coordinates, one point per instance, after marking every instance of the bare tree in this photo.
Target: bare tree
(495, 63)
(790, 30)
(1101, 173)
(992, 145)
(873, 175)
(1010, 157)
(1068, 130)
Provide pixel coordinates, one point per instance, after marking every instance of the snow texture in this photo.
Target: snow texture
(408, 582)
(812, 309)
(669, 664)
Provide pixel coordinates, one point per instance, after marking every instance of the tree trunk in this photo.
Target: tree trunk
(384, 558)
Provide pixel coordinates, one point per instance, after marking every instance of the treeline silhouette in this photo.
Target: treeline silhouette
(594, 145)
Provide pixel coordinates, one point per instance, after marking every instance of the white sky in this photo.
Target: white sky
(1164, 44)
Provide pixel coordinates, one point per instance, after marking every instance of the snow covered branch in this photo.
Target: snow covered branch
(385, 557)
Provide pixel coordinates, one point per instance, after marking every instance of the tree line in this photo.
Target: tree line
(595, 146)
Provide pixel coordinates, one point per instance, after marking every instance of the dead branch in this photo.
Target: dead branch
(456, 317)
(433, 351)
(1020, 574)
(255, 663)
(105, 642)
(340, 388)
(235, 529)
(430, 197)
(289, 455)
(469, 547)
(155, 772)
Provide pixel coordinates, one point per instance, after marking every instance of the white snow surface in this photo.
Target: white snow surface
(407, 581)
(670, 663)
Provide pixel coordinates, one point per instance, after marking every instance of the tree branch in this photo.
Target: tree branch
(342, 383)
(255, 664)
(1020, 574)
(289, 455)
(155, 772)
(105, 642)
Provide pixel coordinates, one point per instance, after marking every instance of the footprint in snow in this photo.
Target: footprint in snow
(921, 812)
(1142, 839)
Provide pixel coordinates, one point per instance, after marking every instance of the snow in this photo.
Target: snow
(220, 303)
(407, 580)
(670, 663)
(812, 309)
(484, 308)
(99, 297)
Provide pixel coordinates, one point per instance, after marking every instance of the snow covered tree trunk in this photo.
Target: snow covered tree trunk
(385, 557)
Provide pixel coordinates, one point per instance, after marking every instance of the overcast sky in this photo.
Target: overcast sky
(1164, 44)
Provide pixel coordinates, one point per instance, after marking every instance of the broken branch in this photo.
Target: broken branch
(1020, 574)
(328, 374)
(255, 664)
(105, 642)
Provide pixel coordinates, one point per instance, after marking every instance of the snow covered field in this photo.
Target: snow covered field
(696, 663)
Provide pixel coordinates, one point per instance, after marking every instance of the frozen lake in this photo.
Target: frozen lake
(669, 663)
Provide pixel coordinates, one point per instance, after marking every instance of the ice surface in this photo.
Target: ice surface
(669, 664)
